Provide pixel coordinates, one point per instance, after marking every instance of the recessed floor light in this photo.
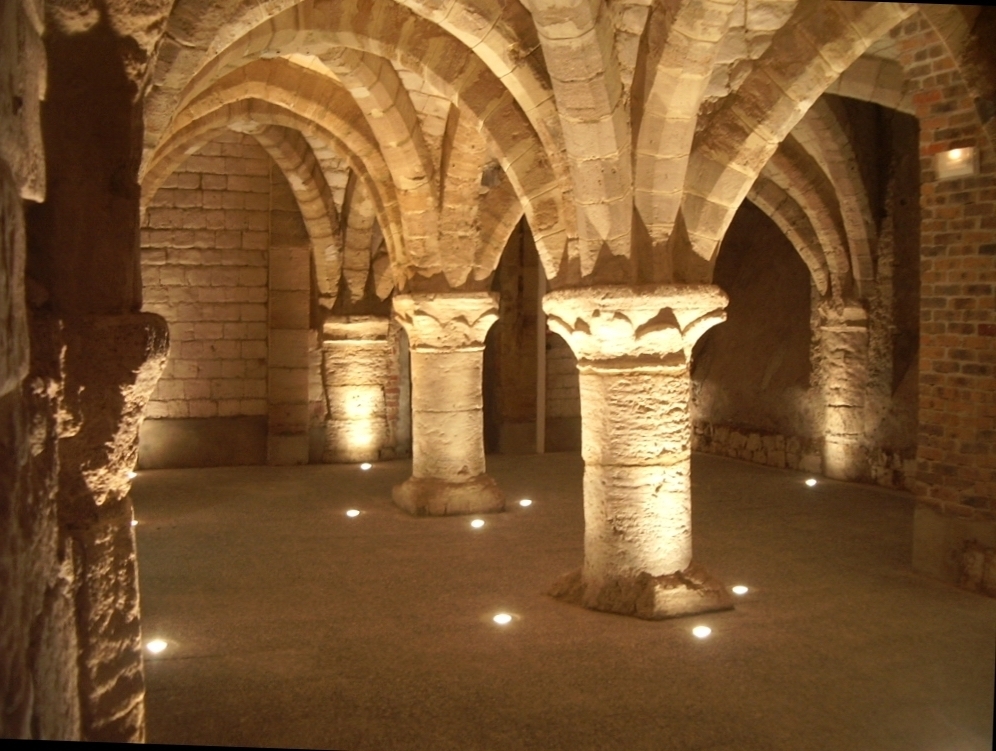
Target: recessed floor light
(477, 523)
(352, 512)
(502, 619)
(740, 589)
(701, 631)
(156, 646)
(525, 502)
(811, 482)
(366, 466)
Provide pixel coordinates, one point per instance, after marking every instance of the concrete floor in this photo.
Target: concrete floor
(291, 625)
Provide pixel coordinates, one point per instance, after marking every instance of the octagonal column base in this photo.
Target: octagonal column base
(656, 598)
(430, 496)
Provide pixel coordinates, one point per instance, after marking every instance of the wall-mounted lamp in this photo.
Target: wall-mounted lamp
(961, 162)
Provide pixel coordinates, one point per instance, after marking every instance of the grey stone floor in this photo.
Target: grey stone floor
(289, 624)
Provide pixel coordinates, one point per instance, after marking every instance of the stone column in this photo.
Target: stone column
(446, 332)
(355, 358)
(844, 349)
(633, 346)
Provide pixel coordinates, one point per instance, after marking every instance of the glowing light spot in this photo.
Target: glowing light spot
(132, 475)
(525, 502)
(954, 155)
(156, 646)
(811, 482)
(365, 466)
(352, 512)
(477, 523)
(134, 522)
(740, 589)
(502, 619)
(701, 631)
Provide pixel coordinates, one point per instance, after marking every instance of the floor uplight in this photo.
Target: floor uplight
(365, 466)
(701, 631)
(525, 502)
(740, 589)
(156, 646)
(811, 482)
(352, 512)
(477, 523)
(502, 619)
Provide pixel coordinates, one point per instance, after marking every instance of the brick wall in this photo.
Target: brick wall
(957, 435)
(204, 269)
(956, 452)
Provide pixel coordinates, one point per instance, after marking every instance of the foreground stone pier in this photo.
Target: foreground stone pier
(633, 346)
(446, 333)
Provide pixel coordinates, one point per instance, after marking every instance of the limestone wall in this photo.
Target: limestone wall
(205, 243)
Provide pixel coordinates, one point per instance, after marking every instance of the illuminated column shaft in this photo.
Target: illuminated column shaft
(844, 340)
(446, 332)
(355, 365)
(633, 347)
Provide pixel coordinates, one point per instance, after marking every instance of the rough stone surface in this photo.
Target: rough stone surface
(447, 333)
(633, 347)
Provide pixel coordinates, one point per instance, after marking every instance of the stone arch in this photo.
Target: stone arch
(822, 134)
(805, 56)
(577, 42)
(530, 157)
(251, 111)
(782, 209)
(872, 79)
(360, 219)
(796, 173)
(500, 213)
(293, 155)
(307, 183)
(680, 56)
(501, 35)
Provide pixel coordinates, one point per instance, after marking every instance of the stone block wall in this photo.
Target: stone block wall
(956, 451)
(205, 240)
(563, 396)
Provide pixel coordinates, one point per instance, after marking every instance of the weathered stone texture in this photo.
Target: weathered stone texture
(633, 347)
(112, 365)
(39, 692)
(446, 334)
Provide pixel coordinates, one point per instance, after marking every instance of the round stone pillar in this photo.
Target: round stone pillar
(446, 334)
(355, 369)
(844, 343)
(633, 346)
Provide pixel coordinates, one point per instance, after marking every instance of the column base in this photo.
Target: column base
(687, 592)
(429, 496)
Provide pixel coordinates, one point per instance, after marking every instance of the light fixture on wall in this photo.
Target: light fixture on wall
(961, 162)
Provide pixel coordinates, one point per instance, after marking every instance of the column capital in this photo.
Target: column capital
(447, 321)
(639, 326)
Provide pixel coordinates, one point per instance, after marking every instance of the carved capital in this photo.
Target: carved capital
(447, 321)
(643, 326)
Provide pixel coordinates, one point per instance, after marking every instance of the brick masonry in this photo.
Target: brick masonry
(956, 455)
